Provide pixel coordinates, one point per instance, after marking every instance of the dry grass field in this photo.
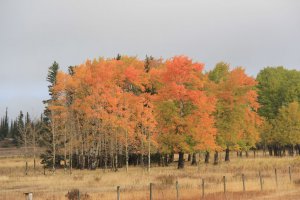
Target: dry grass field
(135, 184)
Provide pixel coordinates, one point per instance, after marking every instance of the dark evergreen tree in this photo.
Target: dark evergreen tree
(71, 70)
(51, 78)
(148, 61)
(47, 134)
(118, 57)
(4, 126)
(1, 129)
(14, 132)
(20, 125)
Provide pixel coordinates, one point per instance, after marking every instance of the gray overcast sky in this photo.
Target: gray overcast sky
(33, 33)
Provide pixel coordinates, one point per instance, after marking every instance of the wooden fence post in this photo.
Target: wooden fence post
(177, 193)
(118, 192)
(224, 181)
(203, 188)
(28, 196)
(151, 191)
(290, 174)
(260, 180)
(276, 177)
(26, 168)
(243, 179)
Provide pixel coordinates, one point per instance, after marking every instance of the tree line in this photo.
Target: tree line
(279, 97)
(13, 129)
(116, 112)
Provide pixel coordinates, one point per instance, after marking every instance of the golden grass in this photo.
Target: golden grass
(135, 184)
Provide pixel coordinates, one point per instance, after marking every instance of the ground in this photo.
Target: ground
(100, 184)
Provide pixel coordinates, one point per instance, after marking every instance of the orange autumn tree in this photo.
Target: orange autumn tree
(236, 115)
(184, 111)
(136, 83)
(107, 107)
(96, 106)
(113, 112)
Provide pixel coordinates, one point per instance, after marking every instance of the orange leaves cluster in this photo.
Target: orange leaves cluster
(192, 125)
(236, 116)
(179, 112)
(180, 78)
(102, 91)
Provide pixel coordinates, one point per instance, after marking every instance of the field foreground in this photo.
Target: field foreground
(99, 184)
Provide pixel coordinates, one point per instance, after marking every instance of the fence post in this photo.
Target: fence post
(177, 194)
(243, 179)
(118, 192)
(26, 168)
(203, 188)
(28, 196)
(290, 174)
(151, 191)
(78, 195)
(261, 183)
(224, 181)
(276, 177)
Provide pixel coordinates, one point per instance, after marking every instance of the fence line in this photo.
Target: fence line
(203, 186)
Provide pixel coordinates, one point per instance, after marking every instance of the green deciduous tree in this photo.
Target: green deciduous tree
(236, 110)
(184, 110)
(284, 131)
(277, 86)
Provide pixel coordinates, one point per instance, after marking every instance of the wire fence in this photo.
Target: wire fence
(261, 181)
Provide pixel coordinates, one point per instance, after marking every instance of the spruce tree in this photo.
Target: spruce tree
(4, 126)
(49, 158)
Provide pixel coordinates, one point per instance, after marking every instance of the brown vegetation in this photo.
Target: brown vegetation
(98, 184)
